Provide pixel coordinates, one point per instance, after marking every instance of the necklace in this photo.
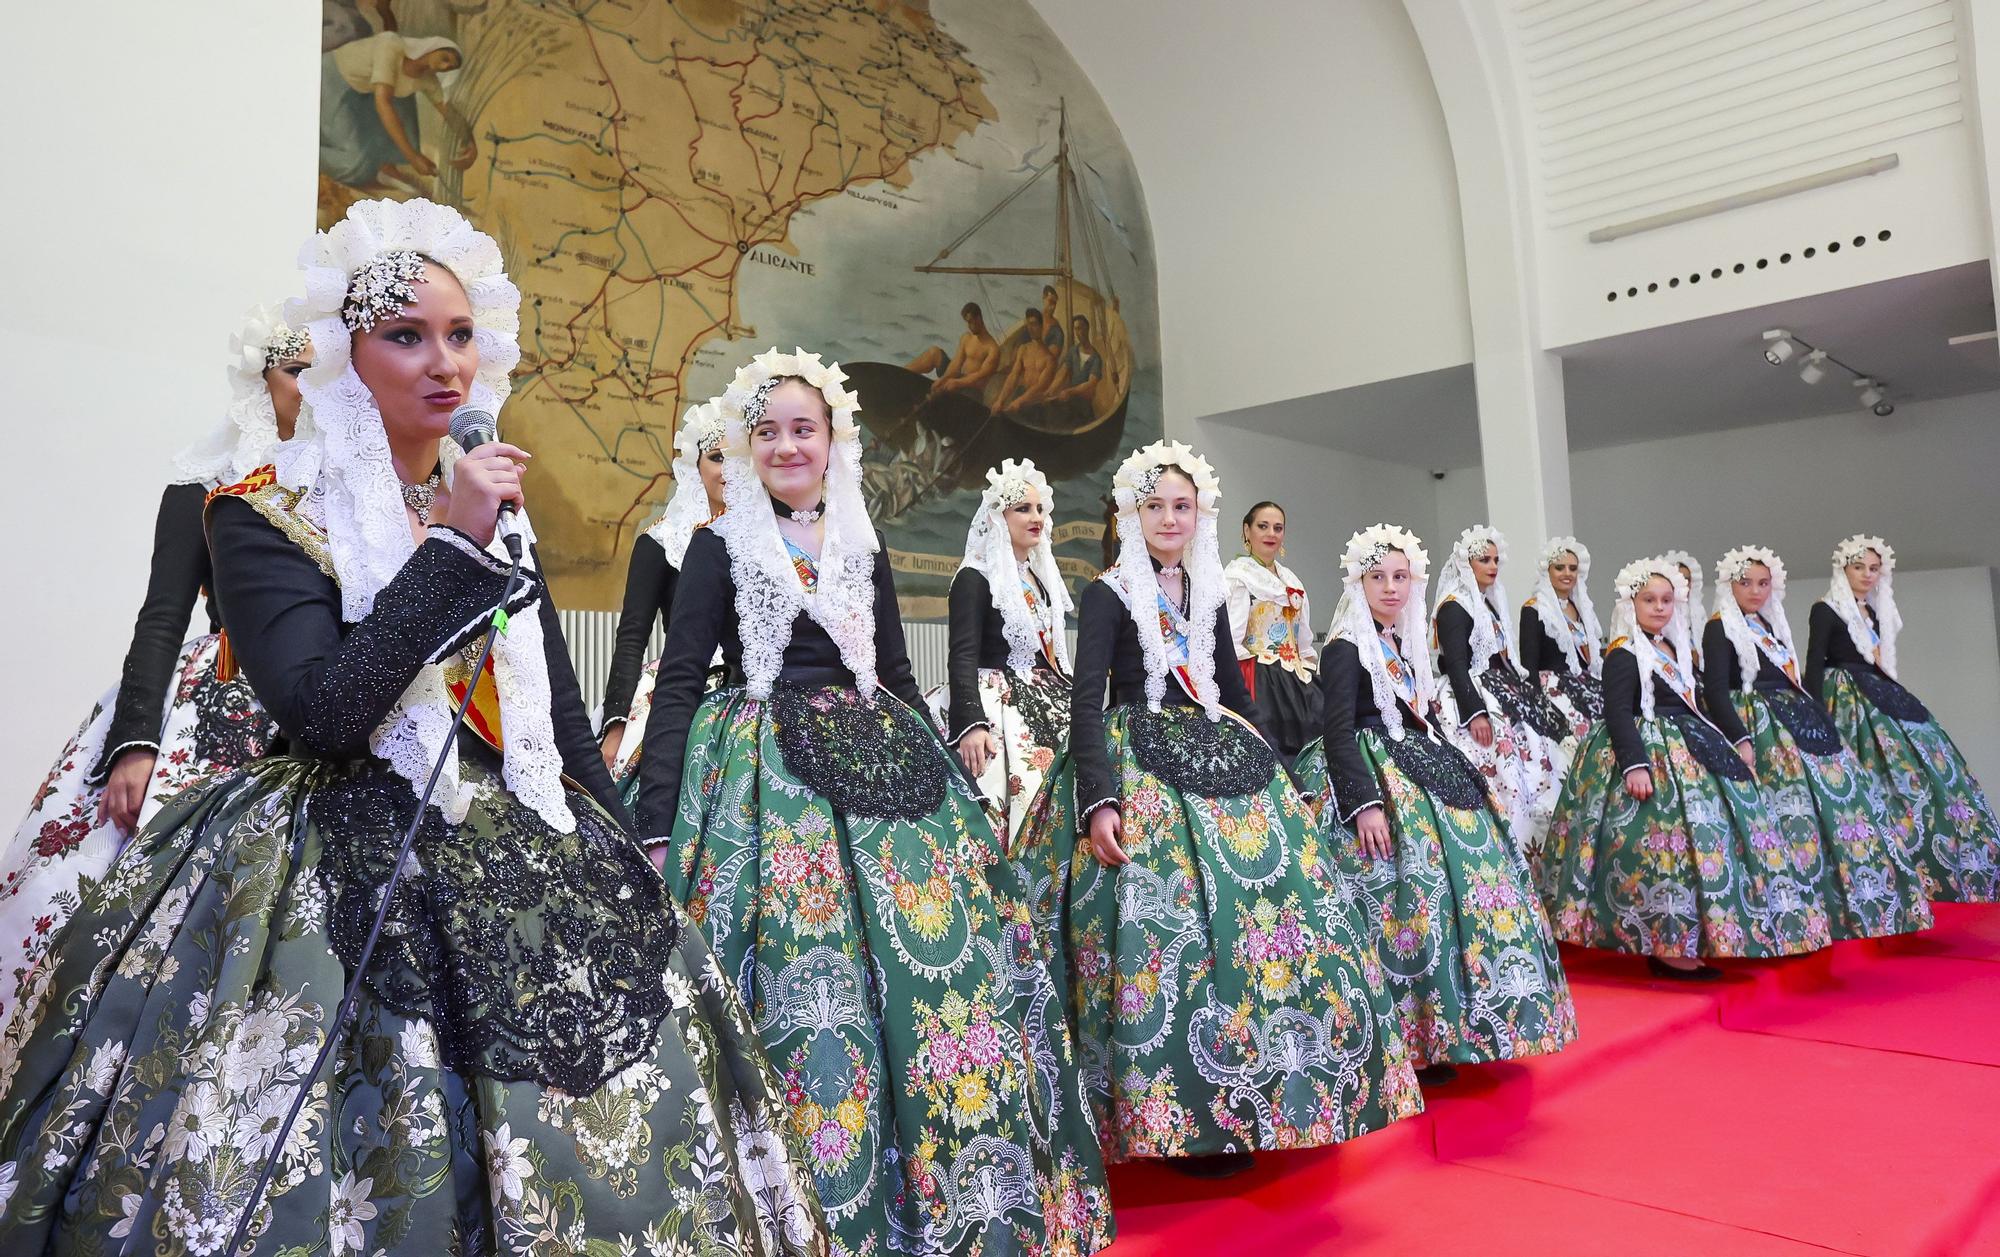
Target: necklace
(421, 497)
(799, 517)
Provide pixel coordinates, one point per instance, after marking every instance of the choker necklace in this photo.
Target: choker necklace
(799, 517)
(421, 497)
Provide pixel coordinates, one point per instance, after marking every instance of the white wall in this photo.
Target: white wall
(1327, 497)
(1948, 629)
(1300, 186)
(149, 203)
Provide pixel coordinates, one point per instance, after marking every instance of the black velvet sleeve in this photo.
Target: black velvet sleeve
(180, 568)
(1529, 635)
(1099, 621)
(649, 592)
(1720, 671)
(1821, 627)
(1454, 632)
(1621, 710)
(328, 690)
(970, 596)
(581, 761)
(1341, 676)
(892, 650)
(703, 599)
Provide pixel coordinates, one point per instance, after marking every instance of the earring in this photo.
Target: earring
(1281, 549)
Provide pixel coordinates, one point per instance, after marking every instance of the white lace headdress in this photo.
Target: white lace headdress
(1548, 603)
(1690, 610)
(769, 593)
(1625, 623)
(354, 496)
(701, 432)
(1132, 577)
(1354, 622)
(1728, 571)
(1889, 621)
(248, 433)
(989, 550)
(1457, 582)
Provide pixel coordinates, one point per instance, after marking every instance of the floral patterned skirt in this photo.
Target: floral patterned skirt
(1470, 959)
(1225, 994)
(1525, 765)
(1579, 696)
(1030, 719)
(1701, 868)
(848, 880)
(210, 727)
(145, 1074)
(1870, 890)
(1939, 814)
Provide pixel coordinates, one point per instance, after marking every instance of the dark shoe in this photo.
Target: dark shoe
(1436, 1075)
(1215, 1165)
(1701, 973)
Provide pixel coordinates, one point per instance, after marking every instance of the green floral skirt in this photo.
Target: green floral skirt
(847, 878)
(1939, 816)
(1701, 868)
(1224, 994)
(1815, 785)
(145, 1075)
(1469, 956)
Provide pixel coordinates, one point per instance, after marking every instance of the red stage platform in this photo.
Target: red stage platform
(1847, 1102)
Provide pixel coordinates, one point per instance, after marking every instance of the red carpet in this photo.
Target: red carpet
(1847, 1102)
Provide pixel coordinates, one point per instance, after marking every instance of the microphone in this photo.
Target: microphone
(472, 427)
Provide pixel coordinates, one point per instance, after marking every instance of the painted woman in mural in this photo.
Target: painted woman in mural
(368, 134)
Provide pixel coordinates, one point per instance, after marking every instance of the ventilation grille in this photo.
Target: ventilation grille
(1640, 108)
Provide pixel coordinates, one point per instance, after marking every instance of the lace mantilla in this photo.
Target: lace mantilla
(769, 594)
(1840, 596)
(1690, 610)
(1457, 583)
(989, 550)
(248, 433)
(1135, 479)
(701, 433)
(352, 494)
(1354, 622)
(1625, 623)
(1735, 626)
(1549, 605)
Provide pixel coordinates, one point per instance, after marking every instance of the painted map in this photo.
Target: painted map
(678, 186)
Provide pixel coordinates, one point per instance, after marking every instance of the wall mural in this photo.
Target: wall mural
(917, 190)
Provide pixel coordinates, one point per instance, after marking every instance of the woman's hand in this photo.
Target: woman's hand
(977, 748)
(465, 157)
(424, 166)
(1372, 828)
(1481, 728)
(1639, 783)
(1106, 828)
(1748, 754)
(125, 789)
(658, 855)
(608, 745)
(480, 481)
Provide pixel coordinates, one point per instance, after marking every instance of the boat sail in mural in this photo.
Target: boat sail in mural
(1053, 386)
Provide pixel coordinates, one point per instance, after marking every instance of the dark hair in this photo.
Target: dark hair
(1034, 314)
(972, 308)
(1048, 290)
(1079, 320)
(1250, 515)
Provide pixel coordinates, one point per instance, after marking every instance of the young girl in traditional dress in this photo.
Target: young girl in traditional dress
(1941, 818)
(838, 860)
(1469, 956)
(1561, 641)
(1817, 789)
(1270, 622)
(1662, 844)
(1226, 994)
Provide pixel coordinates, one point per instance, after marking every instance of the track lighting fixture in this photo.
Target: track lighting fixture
(1810, 370)
(1778, 347)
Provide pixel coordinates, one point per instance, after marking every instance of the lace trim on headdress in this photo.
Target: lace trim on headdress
(1883, 598)
(1549, 604)
(1690, 610)
(1457, 583)
(1354, 622)
(1136, 478)
(351, 493)
(989, 550)
(1625, 623)
(1736, 626)
(769, 594)
(248, 433)
(701, 432)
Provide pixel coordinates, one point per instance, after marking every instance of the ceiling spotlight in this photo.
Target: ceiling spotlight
(1778, 347)
(1810, 370)
(1871, 396)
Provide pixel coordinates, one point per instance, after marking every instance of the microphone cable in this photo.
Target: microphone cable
(496, 624)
